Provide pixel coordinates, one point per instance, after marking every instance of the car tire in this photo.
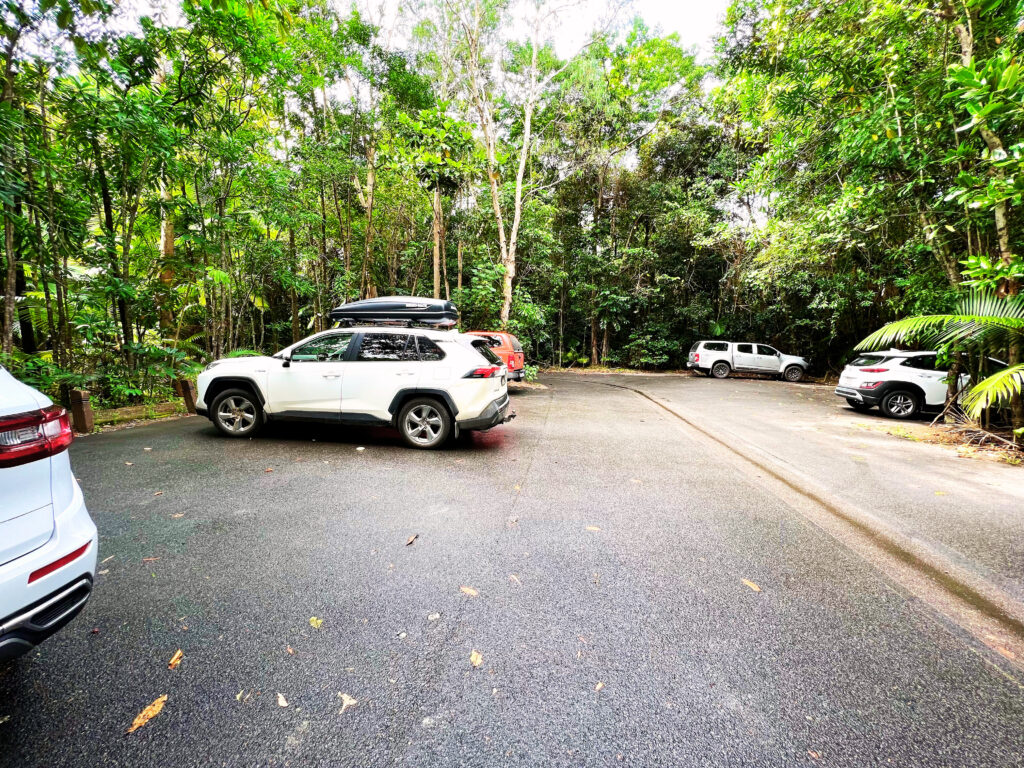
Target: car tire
(857, 405)
(900, 404)
(720, 370)
(424, 422)
(237, 413)
(793, 374)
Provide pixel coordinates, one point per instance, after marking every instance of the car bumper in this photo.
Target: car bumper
(866, 396)
(494, 414)
(29, 613)
(516, 375)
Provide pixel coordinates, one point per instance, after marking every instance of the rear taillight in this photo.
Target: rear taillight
(870, 385)
(29, 436)
(874, 370)
(483, 373)
(696, 357)
(60, 563)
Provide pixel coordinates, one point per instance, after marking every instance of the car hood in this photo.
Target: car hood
(244, 363)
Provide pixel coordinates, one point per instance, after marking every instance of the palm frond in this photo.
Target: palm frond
(918, 330)
(997, 389)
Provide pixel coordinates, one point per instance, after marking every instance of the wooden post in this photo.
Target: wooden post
(188, 394)
(81, 411)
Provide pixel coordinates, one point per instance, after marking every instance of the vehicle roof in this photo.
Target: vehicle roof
(898, 352)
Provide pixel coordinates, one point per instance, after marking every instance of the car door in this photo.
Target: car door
(744, 357)
(768, 359)
(384, 364)
(929, 376)
(310, 384)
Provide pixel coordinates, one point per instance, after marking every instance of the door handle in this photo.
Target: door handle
(330, 375)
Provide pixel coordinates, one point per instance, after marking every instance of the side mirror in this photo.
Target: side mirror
(287, 361)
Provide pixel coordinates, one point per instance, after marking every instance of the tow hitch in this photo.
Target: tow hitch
(509, 418)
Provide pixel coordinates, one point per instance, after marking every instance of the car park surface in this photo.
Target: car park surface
(607, 545)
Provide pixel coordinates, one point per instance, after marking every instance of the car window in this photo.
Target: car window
(323, 349)
(763, 350)
(868, 360)
(493, 341)
(429, 351)
(695, 347)
(387, 346)
(488, 355)
(516, 345)
(921, 362)
(745, 349)
(716, 346)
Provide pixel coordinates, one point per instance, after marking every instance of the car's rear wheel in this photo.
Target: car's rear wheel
(900, 404)
(424, 423)
(720, 370)
(237, 413)
(857, 405)
(793, 373)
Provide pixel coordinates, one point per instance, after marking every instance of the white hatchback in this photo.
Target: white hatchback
(47, 539)
(427, 384)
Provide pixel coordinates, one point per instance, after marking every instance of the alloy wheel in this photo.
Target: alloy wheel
(236, 414)
(901, 404)
(423, 424)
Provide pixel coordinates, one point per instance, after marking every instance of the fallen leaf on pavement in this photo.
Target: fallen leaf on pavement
(513, 577)
(593, 528)
(95, 630)
(175, 659)
(159, 493)
(469, 591)
(281, 700)
(599, 686)
(148, 713)
(291, 651)
(129, 463)
(269, 469)
(434, 617)
(147, 449)
(412, 539)
(346, 702)
(476, 658)
(752, 585)
(238, 696)
(104, 572)
(315, 623)
(106, 559)
(813, 755)
(150, 559)
(940, 493)
(178, 514)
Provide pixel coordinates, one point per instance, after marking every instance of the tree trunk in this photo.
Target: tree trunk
(459, 284)
(437, 241)
(366, 288)
(296, 326)
(28, 332)
(166, 257)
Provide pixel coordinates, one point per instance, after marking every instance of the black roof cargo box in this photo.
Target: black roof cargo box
(397, 309)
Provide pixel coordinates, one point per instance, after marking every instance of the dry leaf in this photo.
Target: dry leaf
(147, 449)
(813, 755)
(941, 493)
(513, 577)
(291, 651)
(148, 713)
(599, 686)
(175, 659)
(281, 700)
(150, 559)
(315, 623)
(346, 702)
(412, 539)
(593, 528)
(269, 469)
(106, 559)
(476, 658)
(104, 572)
(752, 585)
(469, 591)
(434, 617)
(159, 493)
(176, 515)
(129, 463)
(238, 696)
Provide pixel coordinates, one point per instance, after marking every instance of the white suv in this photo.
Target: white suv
(428, 384)
(47, 539)
(901, 384)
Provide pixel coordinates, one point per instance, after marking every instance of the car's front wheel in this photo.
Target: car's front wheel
(720, 370)
(237, 413)
(793, 373)
(900, 404)
(424, 423)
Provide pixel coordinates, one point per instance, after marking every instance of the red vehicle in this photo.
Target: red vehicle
(507, 347)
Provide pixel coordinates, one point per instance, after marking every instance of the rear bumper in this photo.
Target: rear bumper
(516, 375)
(491, 416)
(866, 396)
(29, 613)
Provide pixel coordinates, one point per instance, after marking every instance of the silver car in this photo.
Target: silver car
(720, 358)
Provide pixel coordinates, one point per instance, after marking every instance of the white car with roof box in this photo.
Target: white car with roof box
(720, 358)
(47, 539)
(428, 384)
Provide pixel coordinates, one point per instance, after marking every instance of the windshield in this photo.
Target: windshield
(868, 360)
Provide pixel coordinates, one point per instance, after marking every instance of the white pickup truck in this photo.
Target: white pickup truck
(720, 358)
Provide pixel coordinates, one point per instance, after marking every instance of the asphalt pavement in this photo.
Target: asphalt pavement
(631, 595)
